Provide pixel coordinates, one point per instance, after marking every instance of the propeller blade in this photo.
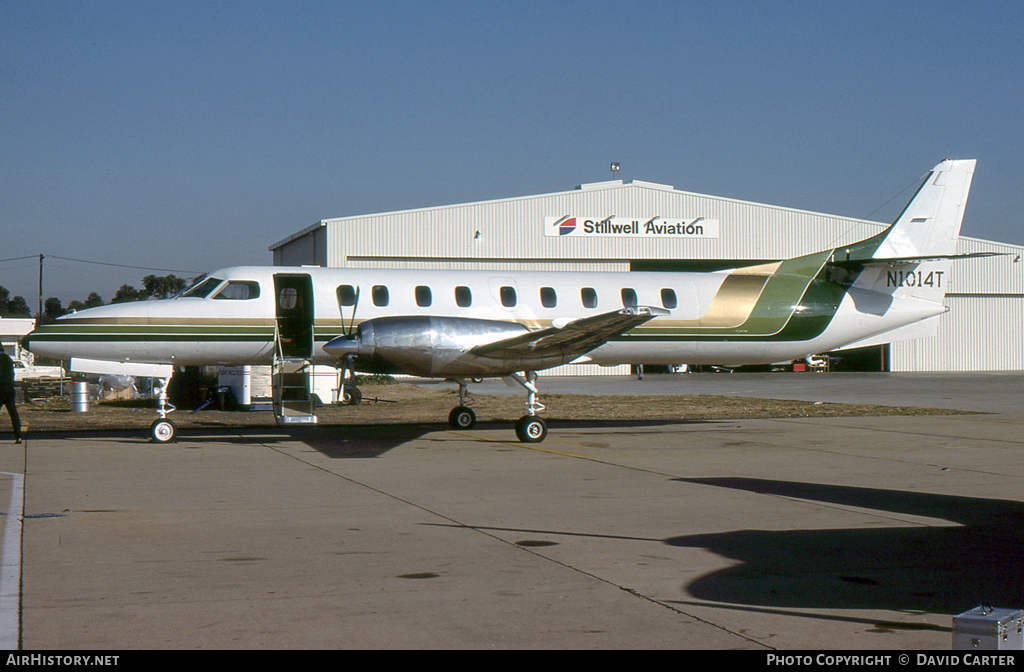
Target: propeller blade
(352, 322)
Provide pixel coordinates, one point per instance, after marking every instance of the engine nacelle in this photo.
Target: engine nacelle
(433, 346)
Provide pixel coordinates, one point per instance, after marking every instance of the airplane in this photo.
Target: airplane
(463, 324)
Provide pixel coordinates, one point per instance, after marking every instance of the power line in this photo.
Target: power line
(41, 257)
(101, 263)
(106, 263)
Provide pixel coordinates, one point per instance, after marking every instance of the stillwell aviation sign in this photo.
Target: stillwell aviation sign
(626, 227)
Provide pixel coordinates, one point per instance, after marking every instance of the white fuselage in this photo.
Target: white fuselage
(707, 320)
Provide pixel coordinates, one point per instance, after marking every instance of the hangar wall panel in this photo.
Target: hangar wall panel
(510, 232)
(990, 275)
(979, 333)
(308, 248)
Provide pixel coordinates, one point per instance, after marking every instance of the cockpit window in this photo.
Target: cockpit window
(239, 290)
(201, 288)
(195, 283)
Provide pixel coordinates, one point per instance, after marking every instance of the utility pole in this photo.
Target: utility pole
(39, 315)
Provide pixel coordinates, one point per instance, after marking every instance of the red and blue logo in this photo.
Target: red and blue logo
(566, 225)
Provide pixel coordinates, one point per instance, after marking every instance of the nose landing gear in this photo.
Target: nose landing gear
(163, 430)
(462, 416)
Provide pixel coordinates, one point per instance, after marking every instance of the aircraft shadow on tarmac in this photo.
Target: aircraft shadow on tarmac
(352, 441)
(365, 441)
(333, 441)
(360, 441)
(899, 567)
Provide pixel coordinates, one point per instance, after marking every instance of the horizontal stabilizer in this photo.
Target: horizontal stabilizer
(861, 263)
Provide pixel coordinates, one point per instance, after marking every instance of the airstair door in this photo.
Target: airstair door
(293, 349)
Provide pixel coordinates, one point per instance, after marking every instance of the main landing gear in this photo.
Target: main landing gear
(529, 429)
(163, 430)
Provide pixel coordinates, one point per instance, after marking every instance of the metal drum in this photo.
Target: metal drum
(79, 397)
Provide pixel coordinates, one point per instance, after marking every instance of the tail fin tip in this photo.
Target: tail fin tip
(930, 224)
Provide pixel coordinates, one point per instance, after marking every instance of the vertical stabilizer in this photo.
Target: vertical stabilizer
(930, 224)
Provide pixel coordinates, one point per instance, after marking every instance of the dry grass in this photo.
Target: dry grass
(394, 404)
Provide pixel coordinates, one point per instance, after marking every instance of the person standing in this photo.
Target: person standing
(7, 392)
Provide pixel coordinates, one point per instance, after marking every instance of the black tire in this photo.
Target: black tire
(531, 429)
(351, 396)
(163, 431)
(462, 417)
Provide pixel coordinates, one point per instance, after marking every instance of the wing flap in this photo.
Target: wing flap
(579, 336)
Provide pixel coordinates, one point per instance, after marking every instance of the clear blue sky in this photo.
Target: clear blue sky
(192, 135)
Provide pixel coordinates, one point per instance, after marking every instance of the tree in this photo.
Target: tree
(91, 301)
(153, 286)
(162, 287)
(127, 293)
(15, 307)
(18, 307)
(52, 309)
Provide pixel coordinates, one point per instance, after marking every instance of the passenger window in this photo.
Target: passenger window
(668, 298)
(508, 296)
(380, 295)
(346, 295)
(288, 299)
(239, 290)
(589, 296)
(463, 297)
(548, 298)
(628, 298)
(423, 296)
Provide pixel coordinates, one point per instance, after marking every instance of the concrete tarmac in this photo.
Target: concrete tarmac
(842, 533)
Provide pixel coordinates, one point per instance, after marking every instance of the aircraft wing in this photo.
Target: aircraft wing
(579, 336)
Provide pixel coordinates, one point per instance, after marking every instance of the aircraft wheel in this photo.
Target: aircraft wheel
(351, 396)
(162, 431)
(531, 429)
(461, 417)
